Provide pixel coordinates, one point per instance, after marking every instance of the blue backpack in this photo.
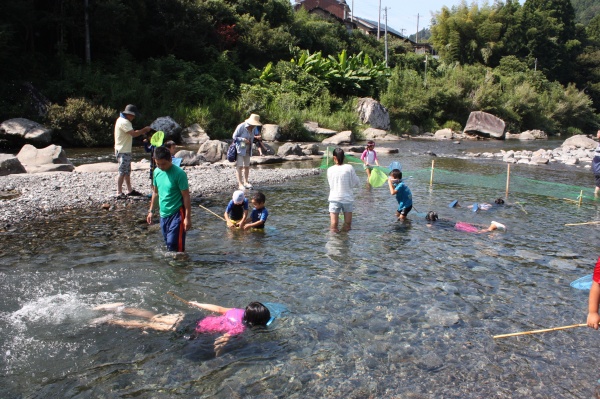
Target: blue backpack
(232, 153)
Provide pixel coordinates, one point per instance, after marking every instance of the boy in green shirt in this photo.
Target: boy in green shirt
(171, 187)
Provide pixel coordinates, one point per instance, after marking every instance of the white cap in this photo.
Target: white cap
(238, 197)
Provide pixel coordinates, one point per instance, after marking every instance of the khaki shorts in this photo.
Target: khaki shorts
(242, 161)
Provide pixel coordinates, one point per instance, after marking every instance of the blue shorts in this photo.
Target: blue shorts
(173, 231)
(337, 207)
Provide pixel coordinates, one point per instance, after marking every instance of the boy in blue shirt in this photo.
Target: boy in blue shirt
(402, 193)
(259, 214)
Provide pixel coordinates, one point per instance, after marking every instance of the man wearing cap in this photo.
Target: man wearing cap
(243, 137)
(124, 134)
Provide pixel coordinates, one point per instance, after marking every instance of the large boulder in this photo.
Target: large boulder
(21, 130)
(194, 134)
(9, 164)
(342, 138)
(580, 141)
(537, 134)
(270, 132)
(32, 159)
(379, 135)
(98, 167)
(373, 113)
(484, 124)
(290, 149)
(169, 126)
(213, 150)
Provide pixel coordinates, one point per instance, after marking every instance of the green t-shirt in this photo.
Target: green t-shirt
(170, 183)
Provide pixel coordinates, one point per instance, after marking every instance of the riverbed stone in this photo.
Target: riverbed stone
(313, 127)
(379, 135)
(290, 149)
(25, 130)
(487, 125)
(580, 141)
(168, 125)
(213, 150)
(194, 134)
(444, 134)
(33, 159)
(342, 138)
(270, 132)
(10, 164)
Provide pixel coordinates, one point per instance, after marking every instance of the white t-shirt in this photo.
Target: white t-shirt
(123, 140)
(342, 178)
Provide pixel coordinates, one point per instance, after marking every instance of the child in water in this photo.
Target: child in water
(232, 321)
(236, 213)
(402, 193)
(462, 226)
(342, 179)
(259, 214)
(369, 157)
(594, 299)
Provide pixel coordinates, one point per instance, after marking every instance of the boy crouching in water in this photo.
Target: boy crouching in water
(259, 214)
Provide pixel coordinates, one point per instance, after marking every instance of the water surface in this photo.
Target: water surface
(387, 310)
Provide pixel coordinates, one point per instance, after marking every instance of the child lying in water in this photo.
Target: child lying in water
(232, 321)
(462, 226)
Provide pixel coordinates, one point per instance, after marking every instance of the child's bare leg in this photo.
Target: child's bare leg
(368, 173)
(146, 314)
(347, 221)
(334, 220)
(109, 306)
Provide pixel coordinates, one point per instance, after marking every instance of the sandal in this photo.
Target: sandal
(122, 196)
(135, 193)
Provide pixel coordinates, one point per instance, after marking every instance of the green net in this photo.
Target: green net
(378, 178)
(517, 184)
(327, 160)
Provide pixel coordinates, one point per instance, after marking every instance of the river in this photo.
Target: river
(388, 310)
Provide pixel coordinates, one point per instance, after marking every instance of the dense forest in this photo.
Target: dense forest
(72, 64)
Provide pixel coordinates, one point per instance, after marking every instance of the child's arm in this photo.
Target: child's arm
(212, 308)
(392, 189)
(244, 218)
(593, 317)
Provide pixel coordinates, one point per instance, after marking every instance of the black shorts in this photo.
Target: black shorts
(597, 177)
(404, 211)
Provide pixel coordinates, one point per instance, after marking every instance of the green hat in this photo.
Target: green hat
(157, 138)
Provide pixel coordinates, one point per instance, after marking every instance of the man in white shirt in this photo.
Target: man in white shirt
(124, 134)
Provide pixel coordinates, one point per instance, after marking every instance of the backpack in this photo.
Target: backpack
(232, 153)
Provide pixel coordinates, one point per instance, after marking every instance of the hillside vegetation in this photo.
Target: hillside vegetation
(213, 62)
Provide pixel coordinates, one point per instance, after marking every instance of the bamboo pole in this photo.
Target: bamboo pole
(206, 209)
(431, 178)
(539, 331)
(178, 298)
(581, 224)
(580, 197)
(507, 179)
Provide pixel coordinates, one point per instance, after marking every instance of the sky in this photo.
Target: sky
(401, 14)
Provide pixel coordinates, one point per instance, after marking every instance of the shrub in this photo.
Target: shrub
(81, 123)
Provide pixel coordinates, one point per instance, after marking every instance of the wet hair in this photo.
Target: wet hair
(169, 144)
(256, 314)
(162, 153)
(431, 216)
(499, 201)
(396, 174)
(259, 197)
(338, 153)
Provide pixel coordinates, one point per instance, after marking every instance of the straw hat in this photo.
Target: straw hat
(254, 120)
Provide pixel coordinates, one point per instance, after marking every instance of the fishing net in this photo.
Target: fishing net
(517, 184)
(378, 178)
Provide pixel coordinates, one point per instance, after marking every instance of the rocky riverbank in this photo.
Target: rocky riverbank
(29, 196)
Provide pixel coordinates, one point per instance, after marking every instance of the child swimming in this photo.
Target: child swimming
(432, 216)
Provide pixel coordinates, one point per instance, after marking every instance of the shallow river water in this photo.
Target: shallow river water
(388, 310)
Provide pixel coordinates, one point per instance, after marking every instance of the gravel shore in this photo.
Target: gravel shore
(31, 196)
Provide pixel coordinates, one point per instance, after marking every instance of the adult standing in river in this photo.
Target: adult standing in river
(596, 166)
(243, 137)
(124, 134)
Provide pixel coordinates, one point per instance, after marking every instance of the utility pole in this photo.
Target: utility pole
(417, 37)
(385, 38)
(535, 66)
(379, 21)
(352, 12)
(402, 32)
(425, 79)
